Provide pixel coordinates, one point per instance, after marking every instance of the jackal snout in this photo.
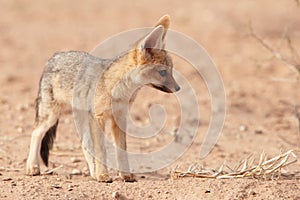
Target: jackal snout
(165, 81)
(158, 76)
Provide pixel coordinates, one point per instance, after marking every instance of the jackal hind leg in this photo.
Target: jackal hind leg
(99, 157)
(90, 160)
(46, 119)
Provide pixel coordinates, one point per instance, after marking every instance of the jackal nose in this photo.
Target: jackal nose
(177, 88)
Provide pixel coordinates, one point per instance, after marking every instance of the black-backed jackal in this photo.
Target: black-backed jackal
(146, 64)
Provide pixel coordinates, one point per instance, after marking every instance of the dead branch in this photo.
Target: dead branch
(290, 62)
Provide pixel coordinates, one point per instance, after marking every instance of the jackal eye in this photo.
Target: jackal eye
(163, 72)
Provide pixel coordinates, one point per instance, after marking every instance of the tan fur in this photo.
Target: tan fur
(119, 82)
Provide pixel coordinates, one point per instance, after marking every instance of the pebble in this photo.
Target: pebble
(258, 131)
(3, 101)
(115, 195)
(76, 172)
(7, 179)
(20, 130)
(75, 160)
(70, 187)
(22, 107)
(13, 183)
(56, 186)
(174, 131)
(251, 192)
(243, 128)
(85, 169)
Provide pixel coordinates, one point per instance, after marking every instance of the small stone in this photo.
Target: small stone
(85, 170)
(21, 108)
(75, 160)
(115, 195)
(251, 192)
(174, 131)
(7, 179)
(243, 128)
(20, 130)
(58, 179)
(258, 131)
(3, 101)
(56, 186)
(76, 172)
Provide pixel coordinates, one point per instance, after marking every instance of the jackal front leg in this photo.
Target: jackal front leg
(119, 138)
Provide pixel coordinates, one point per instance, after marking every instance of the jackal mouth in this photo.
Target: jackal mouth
(162, 88)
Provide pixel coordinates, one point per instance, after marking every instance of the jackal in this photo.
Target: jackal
(146, 64)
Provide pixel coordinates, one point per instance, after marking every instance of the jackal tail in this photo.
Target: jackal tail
(47, 143)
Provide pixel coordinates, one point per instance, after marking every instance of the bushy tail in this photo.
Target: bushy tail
(47, 143)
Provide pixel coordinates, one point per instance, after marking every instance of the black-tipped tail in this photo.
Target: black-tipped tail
(47, 143)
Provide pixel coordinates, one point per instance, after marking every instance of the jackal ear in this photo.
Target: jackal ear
(153, 40)
(165, 22)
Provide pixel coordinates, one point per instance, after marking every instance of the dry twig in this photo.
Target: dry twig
(10, 169)
(292, 62)
(245, 168)
(52, 170)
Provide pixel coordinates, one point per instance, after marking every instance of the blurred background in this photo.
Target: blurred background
(261, 90)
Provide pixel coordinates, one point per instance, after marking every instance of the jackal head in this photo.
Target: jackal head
(156, 67)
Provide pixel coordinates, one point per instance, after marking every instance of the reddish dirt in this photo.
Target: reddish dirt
(31, 31)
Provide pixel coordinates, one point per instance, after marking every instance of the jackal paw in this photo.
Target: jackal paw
(127, 177)
(33, 170)
(104, 178)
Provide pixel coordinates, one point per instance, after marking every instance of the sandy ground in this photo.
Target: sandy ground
(260, 108)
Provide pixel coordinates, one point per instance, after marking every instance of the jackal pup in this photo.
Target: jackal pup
(146, 64)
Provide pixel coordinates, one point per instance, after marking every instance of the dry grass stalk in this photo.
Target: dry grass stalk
(10, 169)
(48, 172)
(245, 168)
